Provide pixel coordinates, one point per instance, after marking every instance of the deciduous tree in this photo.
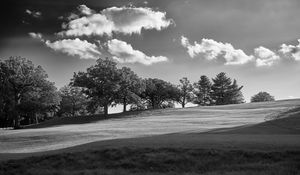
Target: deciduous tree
(185, 91)
(262, 97)
(101, 82)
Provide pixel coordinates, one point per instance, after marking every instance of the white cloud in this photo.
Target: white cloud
(213, 50)
(265, 57)
(124, 53)
(95, 24)
(75, 47)
(85, 10)
(35, 14)
(126, 20)
(38, 36)
(291, 50)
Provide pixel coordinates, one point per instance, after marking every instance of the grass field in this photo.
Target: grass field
(234, 139)
(52, 136)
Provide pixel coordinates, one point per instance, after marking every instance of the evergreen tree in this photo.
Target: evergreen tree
(202, 91)
(224, 91)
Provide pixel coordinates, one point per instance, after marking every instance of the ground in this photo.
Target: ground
(232, 139)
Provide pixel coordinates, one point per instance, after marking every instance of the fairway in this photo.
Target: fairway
(147, 123)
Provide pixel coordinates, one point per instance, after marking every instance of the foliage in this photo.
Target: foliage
(224, 91)
(101, 83)
(202, 91)
(262, 97)
(185, 91)
(159, 91)
(131, 87)
(23, 86)
(74, 101)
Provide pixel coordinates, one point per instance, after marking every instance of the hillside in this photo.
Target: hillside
(147, 123)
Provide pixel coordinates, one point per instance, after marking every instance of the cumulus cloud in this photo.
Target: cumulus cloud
(126, 20)
(124, 53)
(75, 47)
(38, 36)
(265, 57)
(291, 50)
(83, 9)
(213, 50)
(35, 14)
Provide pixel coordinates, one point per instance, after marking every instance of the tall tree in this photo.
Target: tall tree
(262, 97)
(159, 91)
(202, 91)
(131, 87)
(235, 96)
(224, 91)
(100, 83)
(185, 91)
(20, 77)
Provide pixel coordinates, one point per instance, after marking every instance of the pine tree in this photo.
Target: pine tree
(202, 91)
(224, 91)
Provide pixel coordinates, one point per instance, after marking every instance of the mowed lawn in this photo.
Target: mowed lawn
(52, 136)
(266, 144)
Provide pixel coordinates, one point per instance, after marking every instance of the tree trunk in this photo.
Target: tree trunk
(36, 119)
(105, 110)
(124, 104)
(183, 102)
(16, 112)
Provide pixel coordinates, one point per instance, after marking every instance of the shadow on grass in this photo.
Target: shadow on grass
(58, 121)
(159, 161)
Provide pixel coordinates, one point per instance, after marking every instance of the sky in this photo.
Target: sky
(254, 42)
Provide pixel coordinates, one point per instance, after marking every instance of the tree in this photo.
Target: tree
(185, 91)
(39, 101)
(224, 91)
(100, 83)
(19, 77)
(235, 95)
(202, 91)
(159, 91)
(131, 87)
(261, 97)
(73, 102)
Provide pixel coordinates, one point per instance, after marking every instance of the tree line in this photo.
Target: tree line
(27, 96)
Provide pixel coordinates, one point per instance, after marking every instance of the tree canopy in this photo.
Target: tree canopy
(101, 83)
(262, 97)
(25, 90)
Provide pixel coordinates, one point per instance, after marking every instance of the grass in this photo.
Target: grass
(271, 147)
(158, 161)
(69, 132)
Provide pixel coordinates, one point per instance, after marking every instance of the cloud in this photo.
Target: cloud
(291, 50)
(124, 53)
(38, 36)
(85, 10)
(265, 57)
(126, 20)
(35, 14)
(75, 47)
(213, 50)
